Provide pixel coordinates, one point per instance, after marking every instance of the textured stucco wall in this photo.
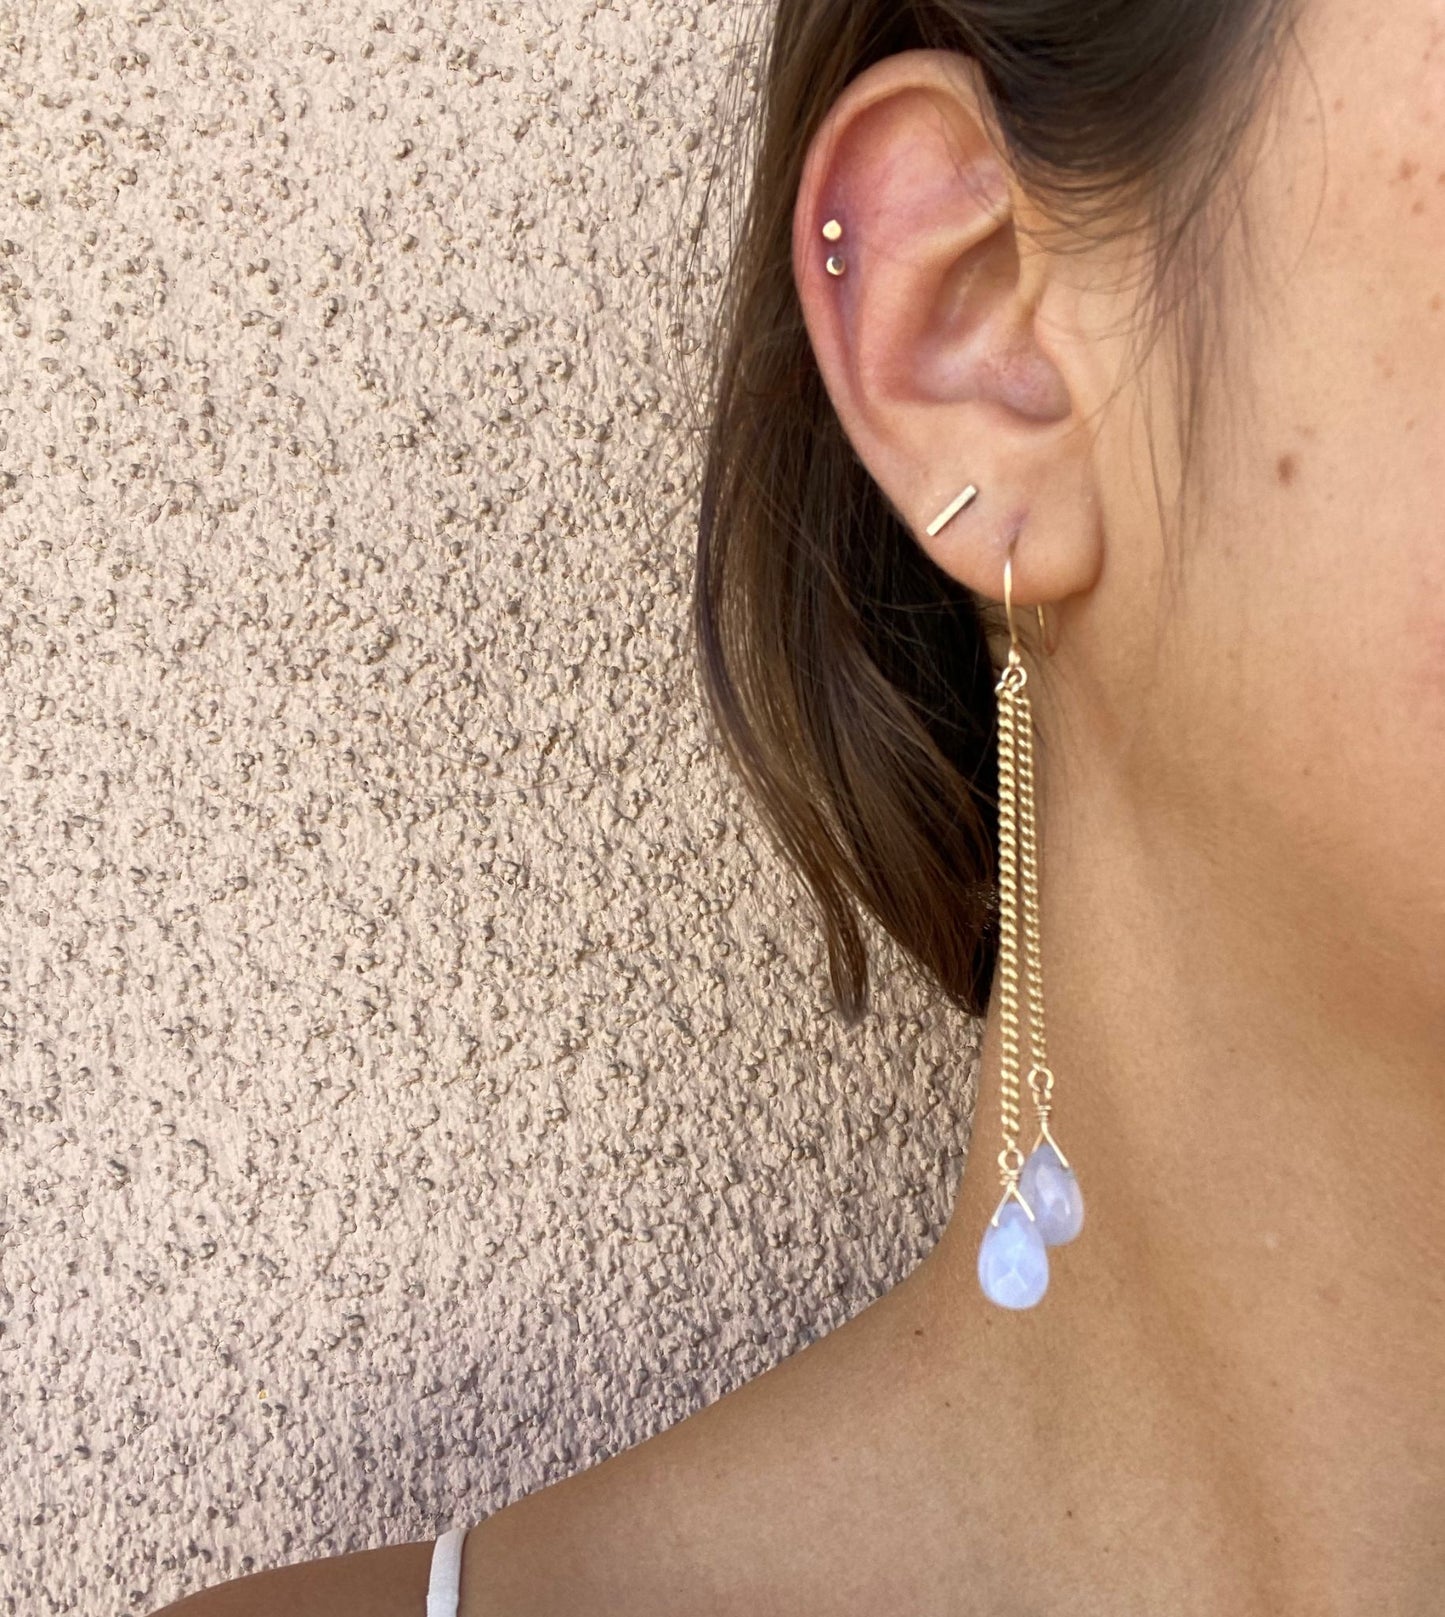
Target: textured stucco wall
(417, 1077)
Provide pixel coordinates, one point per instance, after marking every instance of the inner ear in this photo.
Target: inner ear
(979, 335)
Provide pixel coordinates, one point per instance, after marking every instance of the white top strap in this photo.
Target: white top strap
(443, 1593)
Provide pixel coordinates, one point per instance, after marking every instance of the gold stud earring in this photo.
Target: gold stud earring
(833, 231)
(951, 510)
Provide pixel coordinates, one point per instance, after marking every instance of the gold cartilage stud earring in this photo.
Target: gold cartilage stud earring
(834, 265)
(833, 231)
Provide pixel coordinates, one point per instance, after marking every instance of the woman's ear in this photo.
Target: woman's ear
(921, 299)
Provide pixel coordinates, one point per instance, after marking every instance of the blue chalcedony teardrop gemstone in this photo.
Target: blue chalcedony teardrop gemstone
(1013, 1264)
(1053, 1192)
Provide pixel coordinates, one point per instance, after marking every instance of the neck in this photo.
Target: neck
(1255, 1308)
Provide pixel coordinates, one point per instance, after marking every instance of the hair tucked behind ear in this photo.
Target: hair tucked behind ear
(849, 676)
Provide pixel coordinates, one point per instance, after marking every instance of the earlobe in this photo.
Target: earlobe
(920, 301)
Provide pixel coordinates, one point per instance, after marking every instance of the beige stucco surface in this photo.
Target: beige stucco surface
(418, 1079)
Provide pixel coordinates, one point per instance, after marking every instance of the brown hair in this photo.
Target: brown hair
(850, 677)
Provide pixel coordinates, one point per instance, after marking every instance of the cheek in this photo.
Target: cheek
(1285, 710)
(1337, 479)
(1310, 690)
(1323, 567)
(1346, 208)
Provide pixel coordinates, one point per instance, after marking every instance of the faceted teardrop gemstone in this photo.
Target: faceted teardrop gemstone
(1053, 1192)
(1013, 1264)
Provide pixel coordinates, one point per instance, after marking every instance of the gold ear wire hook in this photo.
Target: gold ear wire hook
(941, 521)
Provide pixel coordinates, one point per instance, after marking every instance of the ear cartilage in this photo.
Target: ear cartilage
(835, 265)
(951, 510)
(832, 231)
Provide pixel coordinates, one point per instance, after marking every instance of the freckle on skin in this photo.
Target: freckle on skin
(1436, 301)
(1286, 469)
(1408, 170)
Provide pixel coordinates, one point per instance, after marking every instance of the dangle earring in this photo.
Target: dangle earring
(1047, 1181)
(1042, 1205)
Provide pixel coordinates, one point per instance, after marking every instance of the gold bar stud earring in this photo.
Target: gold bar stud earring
(951, 510)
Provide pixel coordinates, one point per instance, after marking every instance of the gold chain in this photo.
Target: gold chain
(1009, 688)
(1018, 879)
(1041, 1079)
(1029, 864)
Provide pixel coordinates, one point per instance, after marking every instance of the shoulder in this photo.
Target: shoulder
(827, 1461)
(780, 1491)
(388, 1582)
